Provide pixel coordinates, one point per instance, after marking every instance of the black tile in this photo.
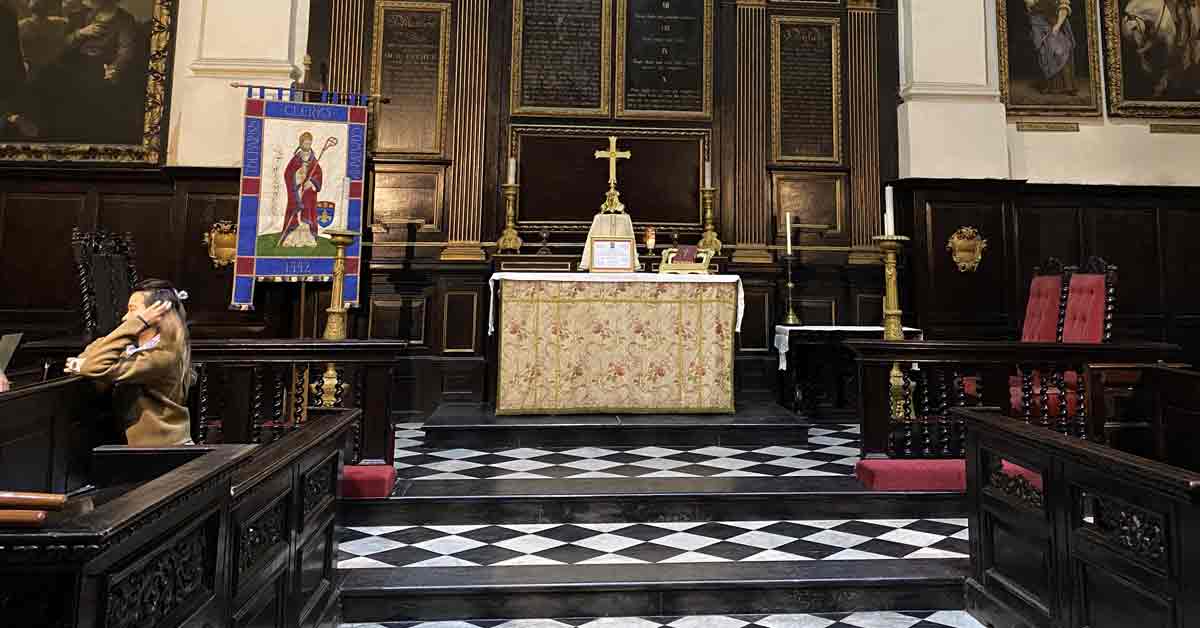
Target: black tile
(345, 535)
(488, 555)
(953, 545)
(651, 552)
(403, 556)
(934, 527)
(412, 536)
(730, 551)
(718, 531)
(791, 529)
(644, 532)
(568, 533)
(569, 554)
(492, 534)
(886, 548)
(863, 528)
(808, 549)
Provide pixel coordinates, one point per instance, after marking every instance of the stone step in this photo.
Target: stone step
(449, 502)
(456, 425)
(428, 594)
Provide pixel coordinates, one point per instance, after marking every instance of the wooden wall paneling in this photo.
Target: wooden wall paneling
(1181, 266)
(149, 218)
(954, 304)
(869, 309)
(40, 293)
(1127, 235)
(1044, 228)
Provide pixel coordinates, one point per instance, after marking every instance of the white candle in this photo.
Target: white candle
(788, 228)
(889, 216)
(512, 170)
(708, 174)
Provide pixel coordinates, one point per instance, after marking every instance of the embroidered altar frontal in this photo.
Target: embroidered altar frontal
(579, 347)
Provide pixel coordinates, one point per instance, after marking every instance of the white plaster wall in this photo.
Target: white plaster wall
(219, 42)
(953, 125)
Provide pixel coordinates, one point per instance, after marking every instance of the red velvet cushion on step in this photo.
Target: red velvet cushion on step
(374, 480)
(912, 475)
(1041, 311)
(1017, 470)
(1085, 309)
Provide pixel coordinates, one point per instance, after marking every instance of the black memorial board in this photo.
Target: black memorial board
(806, 89)
(664, 58)
(409, 67)
(563, 183)
(561, 57)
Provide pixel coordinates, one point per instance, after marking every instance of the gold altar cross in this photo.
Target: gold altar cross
(612, 155)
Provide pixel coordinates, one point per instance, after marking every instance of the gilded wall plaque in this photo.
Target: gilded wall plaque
(561, 58)
(410, 60)
(806, 89)
(966, 247)
(815, 200)
(664, 59)
(407, 194)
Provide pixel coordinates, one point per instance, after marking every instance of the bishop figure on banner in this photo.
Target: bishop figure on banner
(612, 221)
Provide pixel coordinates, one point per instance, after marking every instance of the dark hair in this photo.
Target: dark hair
(157, 290)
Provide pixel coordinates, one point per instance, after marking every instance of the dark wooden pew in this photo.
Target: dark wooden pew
(234, 535)
(1067, 533)
(924, 427)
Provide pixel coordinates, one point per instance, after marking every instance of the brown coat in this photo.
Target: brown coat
(156, 415)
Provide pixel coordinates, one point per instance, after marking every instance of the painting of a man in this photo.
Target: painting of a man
(1048, 58)
(303, 179)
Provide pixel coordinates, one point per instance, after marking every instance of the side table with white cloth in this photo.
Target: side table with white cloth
(819, 375)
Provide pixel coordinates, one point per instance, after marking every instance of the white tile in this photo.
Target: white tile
(620, 622)
(446, 624)
(608, 543)
(530, 528)
(853, 429)
(529, 623)
(808, 473)
(445, 476)
(443, 561)
(717, 452)
(662, 464)
(369, 545)
(667, 474)
(604, 527)
(521, 465)
(524, 452)
(828, 440)
(694, 557)
(953, 522)
(377, 530)
(521, 475)
(459, 529)
(740, 474)
(711, 621)
(594, 474)
(457, 454)
(362, 562)
(612, 559)
(963, 534)
(592, 464)
(912, 537)
(795, 621)
(881, 620)
(891, 523)
(853, 554)
(685, 541)
(590, 452)
(678, 526)
(839, 450)
(774, 556)
(448, 545)
(728, 463)
(750, 525)
(849, 462)
(405, 443)
(762, 540)
(655, 452)
(824, 524)
(451, 466)
(796, 463)
(783, 452)
(401, 453)
(361, 626)
(956, 619)
(529, 544)
(527, 561)
(929, 552)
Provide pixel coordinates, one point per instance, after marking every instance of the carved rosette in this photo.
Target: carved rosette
(317, 484)
(168, 581)
(1131, 528)
(1017, 489)
(260, 535)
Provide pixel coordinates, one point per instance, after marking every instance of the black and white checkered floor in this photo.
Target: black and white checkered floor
(832, 451)
(650, 543)
(929, 619)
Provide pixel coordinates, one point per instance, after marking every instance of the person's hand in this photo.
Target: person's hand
(310, 185)
(110, 72)
(151, 315)
(4, 384)
(1056, 28)
(91, 30)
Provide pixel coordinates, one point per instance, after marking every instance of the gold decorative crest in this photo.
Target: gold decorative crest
(966, 247)
(221, 241)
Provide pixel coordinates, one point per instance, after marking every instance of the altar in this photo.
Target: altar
(640, 343)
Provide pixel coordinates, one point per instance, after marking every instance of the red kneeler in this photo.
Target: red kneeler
(375, 480)
(927, 475)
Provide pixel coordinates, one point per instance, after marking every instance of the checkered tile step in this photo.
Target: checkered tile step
(927, 619)
(832, 451)
(650, 543)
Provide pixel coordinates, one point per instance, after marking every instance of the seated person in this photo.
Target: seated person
(4, 385)
(148, 360)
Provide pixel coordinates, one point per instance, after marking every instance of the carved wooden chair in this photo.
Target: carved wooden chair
(106, 271)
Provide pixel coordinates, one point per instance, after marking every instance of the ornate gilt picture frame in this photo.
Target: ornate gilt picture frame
(780, 152)
(1060, 77)
(624, 109)
(74, 106)
(408, 105)
(517, 104)
(1147, 70)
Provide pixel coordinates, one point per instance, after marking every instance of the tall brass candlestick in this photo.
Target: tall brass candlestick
(893, 328)
(335, 324)
(710, 240)
(791, 318)
(510, 240)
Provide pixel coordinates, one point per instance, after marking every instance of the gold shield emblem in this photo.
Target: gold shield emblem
(966, 247)
(221, 240)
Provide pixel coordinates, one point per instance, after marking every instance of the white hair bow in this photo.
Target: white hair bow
(182, 295)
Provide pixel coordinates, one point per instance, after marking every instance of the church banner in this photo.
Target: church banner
(303, 166)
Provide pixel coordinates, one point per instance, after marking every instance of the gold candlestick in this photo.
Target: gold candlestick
(710, 240)
(510, 240)
(335, 324)
(893, 328)
(791, 318)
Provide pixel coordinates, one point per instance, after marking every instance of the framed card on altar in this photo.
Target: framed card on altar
(613, 255)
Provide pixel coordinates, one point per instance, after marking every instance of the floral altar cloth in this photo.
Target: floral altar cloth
(573, 343)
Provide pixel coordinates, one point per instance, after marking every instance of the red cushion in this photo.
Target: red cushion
(912, 475)
(1085, 309)
(1014, 395)
(1034, 477)
(374, 480)
(1041, 311)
